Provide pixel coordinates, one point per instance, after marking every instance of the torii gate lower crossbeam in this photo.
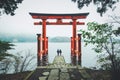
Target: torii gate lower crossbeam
(43, 40)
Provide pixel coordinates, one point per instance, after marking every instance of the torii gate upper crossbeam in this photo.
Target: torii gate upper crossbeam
(59, 16)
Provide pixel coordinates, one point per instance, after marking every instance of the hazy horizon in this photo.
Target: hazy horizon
(22, 22)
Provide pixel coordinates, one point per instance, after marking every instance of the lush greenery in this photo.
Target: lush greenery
(15, 62)
(9, 6)
(4, 56)
(102, 5)
(103, 37)
(4, 46)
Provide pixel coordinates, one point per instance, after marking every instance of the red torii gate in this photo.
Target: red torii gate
(42, 55)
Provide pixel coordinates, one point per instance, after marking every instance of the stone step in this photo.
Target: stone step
(64, 76)
(42, 78)
(63, 70)
(84, 74)
(54, 74)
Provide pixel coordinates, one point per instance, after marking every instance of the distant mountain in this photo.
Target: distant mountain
(33, 38)
(60, 39)
(17, 38)
(30, 38)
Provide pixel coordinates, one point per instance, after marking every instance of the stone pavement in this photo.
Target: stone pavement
(59, 70)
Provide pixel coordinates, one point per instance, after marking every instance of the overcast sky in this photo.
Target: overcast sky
(22, 23)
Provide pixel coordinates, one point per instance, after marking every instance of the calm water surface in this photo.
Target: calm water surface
(89, 57)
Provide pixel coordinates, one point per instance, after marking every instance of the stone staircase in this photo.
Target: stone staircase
(59, 70)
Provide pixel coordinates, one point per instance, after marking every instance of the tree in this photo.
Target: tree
(17, 62)
(116, 20)
(5, 65)
(9, 6)
(23, 63)
(5, 61)
(103, 37)
(4, 46)
(102, 5)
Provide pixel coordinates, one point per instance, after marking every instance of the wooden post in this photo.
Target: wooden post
(72, 50)
(47, 50)
(79, 49)
(74, 42)
(44, 41)
(38, 49)
(44, 34)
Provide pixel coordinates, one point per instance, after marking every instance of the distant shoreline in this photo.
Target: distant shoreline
(36, 42)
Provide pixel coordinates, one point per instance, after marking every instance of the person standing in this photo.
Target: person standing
(60, 52)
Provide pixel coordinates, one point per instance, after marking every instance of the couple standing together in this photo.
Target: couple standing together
(59, 52)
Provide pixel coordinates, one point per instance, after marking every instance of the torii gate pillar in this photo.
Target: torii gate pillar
(73, 43)
(79, 53)
(39, 54)
(44, 43)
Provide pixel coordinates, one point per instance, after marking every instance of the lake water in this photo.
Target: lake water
(89, 57)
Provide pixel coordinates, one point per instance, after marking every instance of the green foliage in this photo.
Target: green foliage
(5, 61)
(104, 62)
(4, 46)
(103, 37)
(117, 32)
(9, 6)
(97, 34)
(102, 5)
